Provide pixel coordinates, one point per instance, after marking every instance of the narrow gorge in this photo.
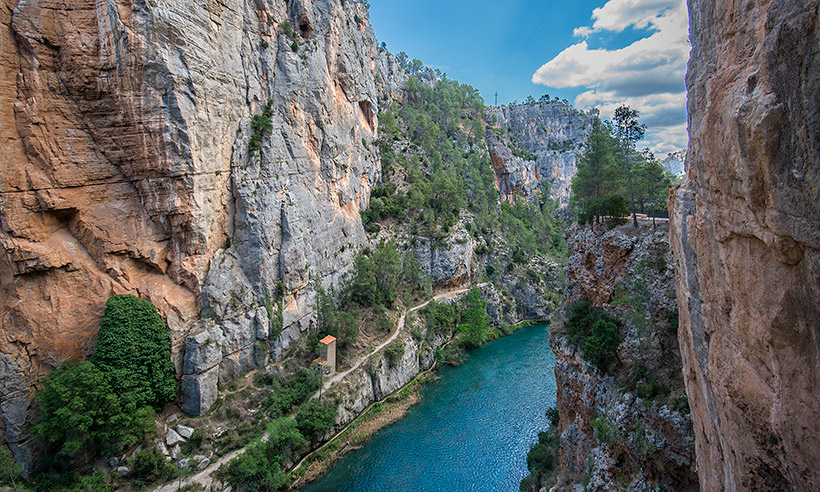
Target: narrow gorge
(309, 227)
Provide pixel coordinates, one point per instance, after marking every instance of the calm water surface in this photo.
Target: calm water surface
(471, 431)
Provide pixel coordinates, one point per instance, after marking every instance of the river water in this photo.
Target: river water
(470, 432)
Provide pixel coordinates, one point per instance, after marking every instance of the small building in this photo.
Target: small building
(327, 353)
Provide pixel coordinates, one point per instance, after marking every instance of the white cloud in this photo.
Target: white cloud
(648, 74)
(617, 15)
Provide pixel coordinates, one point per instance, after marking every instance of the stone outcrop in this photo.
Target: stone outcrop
(449, 262)
(675, 163)
(551, 135)
(746, 237)
(629, 427)
(127, 169)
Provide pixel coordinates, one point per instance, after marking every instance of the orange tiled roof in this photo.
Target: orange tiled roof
(326, 340)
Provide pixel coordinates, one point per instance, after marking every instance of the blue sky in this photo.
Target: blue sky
(594, 53)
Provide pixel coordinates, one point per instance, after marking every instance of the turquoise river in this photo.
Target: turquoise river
(470, 432)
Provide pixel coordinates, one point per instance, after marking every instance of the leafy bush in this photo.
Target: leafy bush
(81, 413)
(475, 324)
(595, 332)
(315, 418)
(134, 350)
(382, 320)
(261, 125)
(96, 482)
(285, 439)
(255, 470)
(297, 389)
(150, 466)
(600, 345)
(553, 416)
(393, 352)
(193, 443)
(541, 461)
(10, 470)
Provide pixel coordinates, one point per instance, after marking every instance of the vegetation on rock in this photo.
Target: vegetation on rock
(134, 350)
(437, 174)
(610, 172)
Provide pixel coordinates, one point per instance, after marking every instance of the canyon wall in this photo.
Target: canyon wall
(746, 238)
(625, 427)
(551, 135)
(127, 169)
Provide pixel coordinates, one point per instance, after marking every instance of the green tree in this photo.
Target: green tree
(600, 345)
(314, 419)
(362, 286)
(652, 185)
(255, 470)
(10, 470)
(285, 440)
(597, 175)
(394, 352)
(475, 324)
(81, 413)
(629, 131)
(387, 271)
(134, 350)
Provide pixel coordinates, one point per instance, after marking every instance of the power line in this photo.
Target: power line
(550, 6)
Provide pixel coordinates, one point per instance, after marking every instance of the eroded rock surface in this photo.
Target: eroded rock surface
(551, 135)
(626, 427)
(746, 237)
(127, 169)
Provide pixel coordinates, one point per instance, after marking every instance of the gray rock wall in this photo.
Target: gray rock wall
(553, 132)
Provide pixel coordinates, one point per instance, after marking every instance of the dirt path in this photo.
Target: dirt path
(399, 327)
(203, 477)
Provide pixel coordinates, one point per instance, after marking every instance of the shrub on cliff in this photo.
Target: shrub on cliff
(10, 470)
(134, 350)
(315, 418)
(541, 461)
(595, 332)
(600, 345)
(81, 413)
(298, 388)
(150, 466)
(394, 352)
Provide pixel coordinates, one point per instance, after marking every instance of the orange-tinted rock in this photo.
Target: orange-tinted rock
(746, 236)
(124, 130)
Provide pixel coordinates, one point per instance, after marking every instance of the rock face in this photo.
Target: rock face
(746, 237)
(675, 163)
(627, 428)
(125, 135)
(552, 132)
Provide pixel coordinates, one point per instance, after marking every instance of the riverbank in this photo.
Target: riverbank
(380, 415)
(469, 431)
(375, 418)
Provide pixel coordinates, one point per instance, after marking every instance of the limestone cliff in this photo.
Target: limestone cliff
(536, 145)
(626, 427)
(746, 238)
(125, 134)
